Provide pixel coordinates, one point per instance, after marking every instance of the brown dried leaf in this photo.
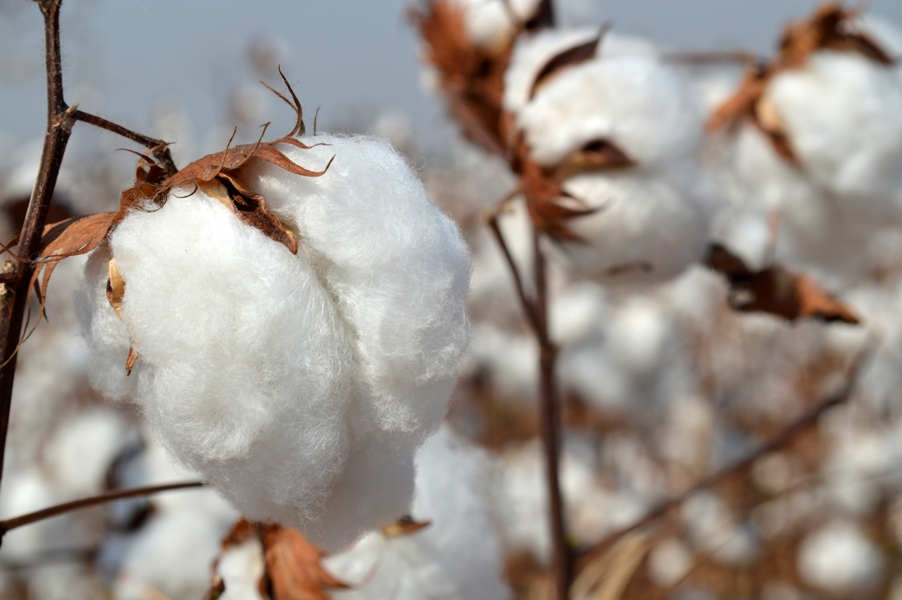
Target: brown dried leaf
(293, 566)
(776, 291)
(566, 59)
(405, 526)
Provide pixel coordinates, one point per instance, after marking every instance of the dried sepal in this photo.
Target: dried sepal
(404, 526)
(566, 59)
(597, 155)
(292, 567)
(550, 206)
(775, 290)
(830, 28)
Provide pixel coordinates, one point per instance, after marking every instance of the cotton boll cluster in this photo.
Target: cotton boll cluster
(458, 555)
(337, 362)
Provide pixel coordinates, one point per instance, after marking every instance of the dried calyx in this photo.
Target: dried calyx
(830, 28)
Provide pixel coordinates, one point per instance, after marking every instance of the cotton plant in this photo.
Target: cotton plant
(326, 304)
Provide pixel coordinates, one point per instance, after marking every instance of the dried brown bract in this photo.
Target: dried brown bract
(292, 568)
(776, 291)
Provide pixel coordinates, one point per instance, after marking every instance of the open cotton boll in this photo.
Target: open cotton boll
(644, 107)
(842, 113)
(457, 556)
(646, 230)
(839, 559)
(299, 386)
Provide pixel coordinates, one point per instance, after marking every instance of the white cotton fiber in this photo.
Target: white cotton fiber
(457, 557)
(842, 113)
(298, 386)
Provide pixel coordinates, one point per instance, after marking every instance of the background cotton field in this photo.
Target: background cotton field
(675, 373)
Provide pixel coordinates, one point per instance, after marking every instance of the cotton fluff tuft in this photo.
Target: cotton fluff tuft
(457, 556)
(298, 386)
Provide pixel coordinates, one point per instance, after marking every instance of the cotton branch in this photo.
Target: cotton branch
(14, 296)
(16, 277)
(59, 509)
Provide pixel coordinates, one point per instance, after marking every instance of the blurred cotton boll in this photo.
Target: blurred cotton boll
(843, 115)
(838, 558)
(299, 386)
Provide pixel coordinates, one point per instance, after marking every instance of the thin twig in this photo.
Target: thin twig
(14, 295)
(717, 56)
(780, 440)
(527, 304)
(59, 509)
(158, 148)
(550, 428)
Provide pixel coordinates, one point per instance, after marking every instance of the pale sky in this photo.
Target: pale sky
(354, 58)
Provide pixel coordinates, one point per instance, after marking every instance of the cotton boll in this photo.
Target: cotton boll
(839, 559)
(843, 115)
(457, 556)
(644, 107)
(644, 231)
(231, 330)
(815, 234)
(336, 363)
